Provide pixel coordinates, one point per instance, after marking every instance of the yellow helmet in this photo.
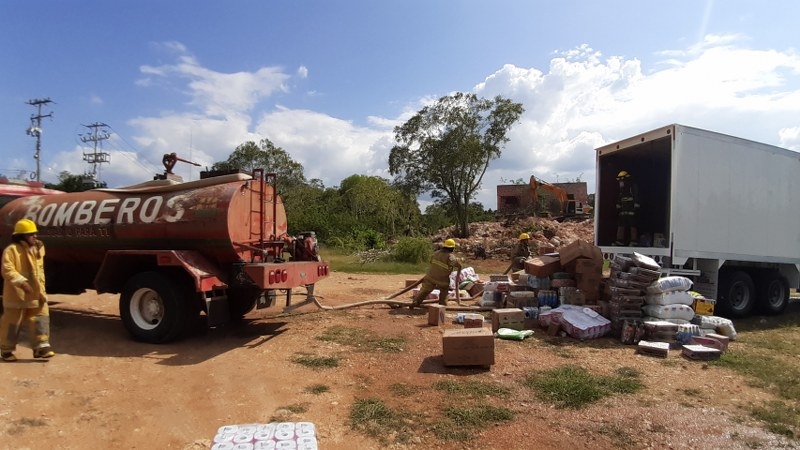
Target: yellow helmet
(449, 243)
(623, 174)
(524, 236)
(25, 226)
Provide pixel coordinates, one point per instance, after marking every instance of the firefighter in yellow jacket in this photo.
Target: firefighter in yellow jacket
(24, 296)
(443, 263)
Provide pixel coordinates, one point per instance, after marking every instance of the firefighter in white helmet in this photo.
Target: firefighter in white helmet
(24, 296)
(443, 263)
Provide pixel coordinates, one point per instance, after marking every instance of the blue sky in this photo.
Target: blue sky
(328, 80)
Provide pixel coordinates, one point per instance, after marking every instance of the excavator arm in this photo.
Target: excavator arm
(557, 193)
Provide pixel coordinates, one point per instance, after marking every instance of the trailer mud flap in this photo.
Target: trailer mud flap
(217, 310)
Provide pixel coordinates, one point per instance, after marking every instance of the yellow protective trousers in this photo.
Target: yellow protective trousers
(36, 322)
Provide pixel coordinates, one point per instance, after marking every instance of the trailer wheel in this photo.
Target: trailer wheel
(773, 293)
(152, 309)
(736, 294)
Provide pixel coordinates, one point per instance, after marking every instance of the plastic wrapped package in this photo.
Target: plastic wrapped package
(644, 261)
(670, 284)
(649, 274)
(623, 262)
(683, 312)
(584, 323)
(670, 298)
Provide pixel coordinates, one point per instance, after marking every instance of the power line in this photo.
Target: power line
(149, 169)
(97, 136)
(35, 130)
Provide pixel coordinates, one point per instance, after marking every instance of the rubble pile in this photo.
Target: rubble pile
(498, 239)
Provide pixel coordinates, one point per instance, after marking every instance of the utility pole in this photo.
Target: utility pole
(98, 134)
(35, 130)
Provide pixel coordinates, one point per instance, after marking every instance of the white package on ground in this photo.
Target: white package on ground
(584, 323)
(721, 325)
(267, 436)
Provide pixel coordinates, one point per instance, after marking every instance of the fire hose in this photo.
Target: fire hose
(399, 304)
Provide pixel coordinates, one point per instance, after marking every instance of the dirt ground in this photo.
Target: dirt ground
(103, 390)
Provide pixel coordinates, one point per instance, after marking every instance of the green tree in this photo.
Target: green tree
(266, 155)
(446, 148)
(375, 203)
(69, 182)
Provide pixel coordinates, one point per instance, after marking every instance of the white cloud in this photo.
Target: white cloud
(585, 101)
(302, 72)
(581, 101)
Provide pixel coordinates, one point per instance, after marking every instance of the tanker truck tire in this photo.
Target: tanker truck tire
(152, 308)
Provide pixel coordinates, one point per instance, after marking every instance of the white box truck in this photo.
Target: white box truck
(721, 210)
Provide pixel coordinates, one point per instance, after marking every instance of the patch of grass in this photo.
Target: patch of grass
(765, 371)
(297, 408)
(374, 418)
(472, 388)
(18, 426)
(574, 387)
(562, 352)
(768, 359)
(317, 389)
(30, 422)
(363, 339)
(780, 418)
(620, 437)
(347, 262)
(315, 362)
(692, 392)
(404, 389)
(460, 422)
(477, 416)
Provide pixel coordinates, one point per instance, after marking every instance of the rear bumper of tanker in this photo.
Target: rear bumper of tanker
(288, 275)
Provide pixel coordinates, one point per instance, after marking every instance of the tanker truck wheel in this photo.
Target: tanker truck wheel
(152, 309)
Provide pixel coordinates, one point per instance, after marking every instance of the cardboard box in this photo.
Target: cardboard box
(410, 282)
(475, 289)
(473, 321)
(579, 249)
(436, 315)
(586, 266)
(542, 266)
(513, 318)
(468, 347)
(589, 284)
(704, 306)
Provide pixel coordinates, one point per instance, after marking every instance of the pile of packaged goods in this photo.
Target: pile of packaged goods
(275, 435)
(626, 289)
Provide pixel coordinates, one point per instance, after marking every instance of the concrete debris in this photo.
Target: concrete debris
(498, 239)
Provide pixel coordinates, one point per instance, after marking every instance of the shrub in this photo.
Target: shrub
(412, 250)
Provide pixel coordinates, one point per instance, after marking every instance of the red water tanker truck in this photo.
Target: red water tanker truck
(218, 245)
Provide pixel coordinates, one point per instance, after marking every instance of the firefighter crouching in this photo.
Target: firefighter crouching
(521, 253)
(442, 264)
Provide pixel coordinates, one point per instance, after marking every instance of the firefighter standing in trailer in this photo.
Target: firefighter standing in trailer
(627, 210)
